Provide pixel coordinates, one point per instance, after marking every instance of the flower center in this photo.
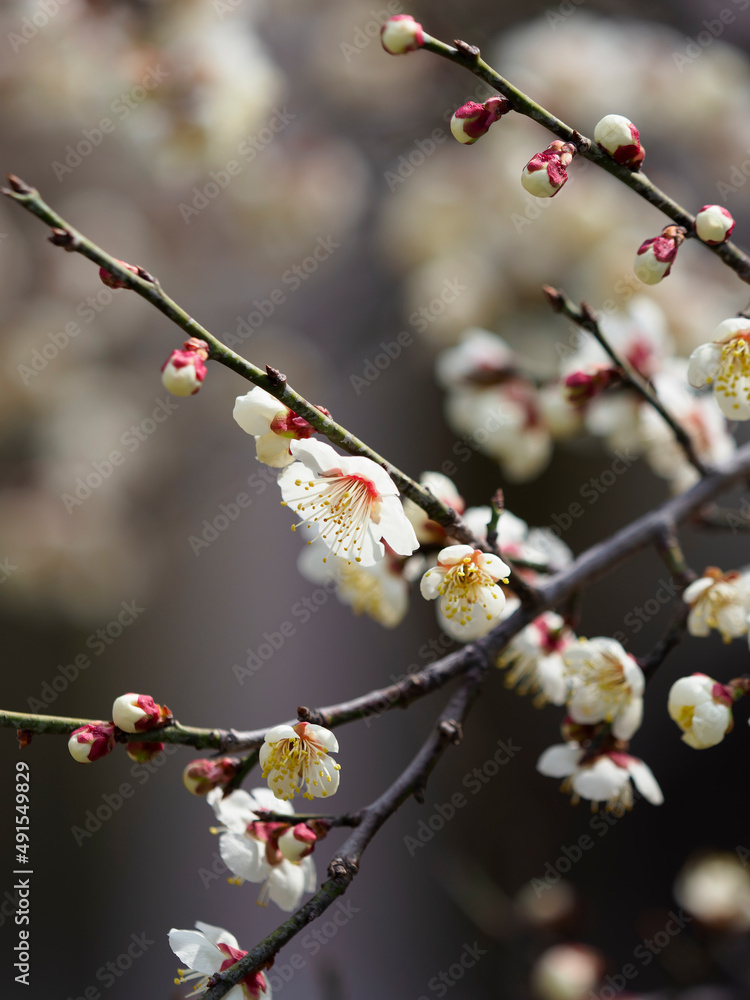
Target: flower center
(463, 585)
(342, 507)
(734, 369)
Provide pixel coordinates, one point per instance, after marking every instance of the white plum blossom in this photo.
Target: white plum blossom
(604, 778)
(352, 501)
(256, 413)
(381, 591)
(724, 362)
(534, 657)
(481, 358)
(401, 34)
(713, 224)
(515, 540)
(619, 137)
(607, 685)
(721, 601)
(465, 579)
(701, 419)
(293, 757)
(702, 708)
(269, 852)
(209, 950)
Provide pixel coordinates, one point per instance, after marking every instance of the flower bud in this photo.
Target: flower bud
(89, 743)
(566, 972)
(702, 708)
(653, 260)
(545, 173)
(618, 136)
(200, 776)
(581, 387)
(471, 121)
(400, 34)
(713, 224)
(143, 752)
(183, 372)
(110, 280)
(135, 713)
(297, 842)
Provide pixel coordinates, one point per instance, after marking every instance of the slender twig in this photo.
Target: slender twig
(468, 57)
(669, 548)
(672, 637)
(345, 865)
(65, 236)
(586, 319)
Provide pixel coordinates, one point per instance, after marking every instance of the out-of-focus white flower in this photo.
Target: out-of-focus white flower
(607, 685)
(91, 742)
(713, 224)
(269, 852)
(545, 173)
(604, 778)
(619, 137)
(400, 34)
(209, 950)
(654, 257)
(481, 358)
(704, 423)
(273, 425)
(352, 501)
(465, 579)
(381, 591)
(566, 972)
(429, 532)
(515, 540)
(296, 757)
(724, 362)
(535, 659)
(702, 708)
(472, 120)
(715, 889)
(721, 601)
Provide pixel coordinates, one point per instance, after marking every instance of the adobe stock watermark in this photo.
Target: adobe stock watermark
(58, 340)
(122, 107)
(131, 440)
(323, 932)
(592, 491)
(559, 16)
(365, 33)
(111, 802)
(247, 149)
(34, 22)
(434, 649)
(641, 615)
(98, 642)
(7, 569)
(474, 781)
(109, 973)
(440, 984)
(292, 279)
(420, 319)
(713, 29)
(210, 530)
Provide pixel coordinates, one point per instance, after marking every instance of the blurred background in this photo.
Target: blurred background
(240, 148)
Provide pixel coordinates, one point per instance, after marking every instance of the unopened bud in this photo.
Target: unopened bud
(618, 136)
(183, 372)
(654, 258)
(582, 387)
(400, 34)
(110, 280)
(545, 173)
(200, 776)
(297, 842)
(471, 121)
(713, 224)
(143, 752)
(135, 713)
(89, 743)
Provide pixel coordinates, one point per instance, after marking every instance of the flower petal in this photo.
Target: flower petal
(560, 760)
(195, 951)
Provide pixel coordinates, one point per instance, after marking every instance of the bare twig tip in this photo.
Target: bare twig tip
(18, 186)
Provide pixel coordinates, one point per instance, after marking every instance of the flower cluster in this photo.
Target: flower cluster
(209, 950)
(131, 713)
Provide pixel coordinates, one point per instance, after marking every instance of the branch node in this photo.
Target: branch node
(554, 297)
(275, 377)
(340, 868)
(451, 731)
(63, 238)
(467, 50)
(582, 144)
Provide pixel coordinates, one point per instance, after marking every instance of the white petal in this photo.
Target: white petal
(216, 935)
(318, 455)
(195, 951)
(600, 782)
(243, 856)
(282, 732)
(356, 465)
(429, 585)
(493, 565)
(627, 721)
(451, 555)
(286, 883)
(273, 450)
(311, 879)
(696, 589)
(326, 787)
(255, 411)
(323, 736)
(559, 761)
(395, 527)
(645, 781)
(703, 365)
(265, 799)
